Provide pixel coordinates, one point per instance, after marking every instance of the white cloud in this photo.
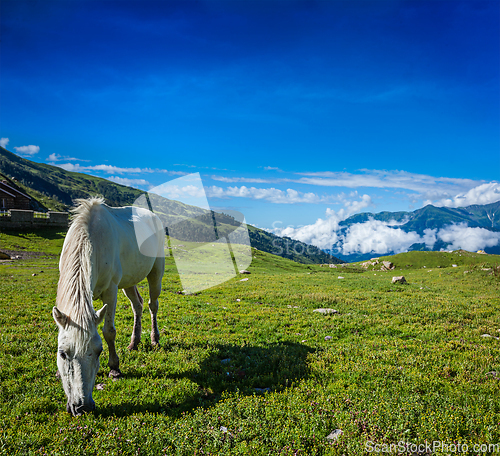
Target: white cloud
(273, 195)
(201, 167)
(128, 182)
(429, 238)
(176, 192)
(421, 187)
(356, 206)
(463, 237)
(27, 150)
(440, 191)
(421, 183)
(248, 180)
(272, 168)
(110, 169)
(4, 142)
(57, 157)
(187, 189)
(482, 194)
(322, 233)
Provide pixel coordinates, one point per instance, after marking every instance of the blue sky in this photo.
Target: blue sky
(291, 111)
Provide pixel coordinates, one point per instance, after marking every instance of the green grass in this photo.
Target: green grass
(48, 240)
(400, 363)
(416, 259)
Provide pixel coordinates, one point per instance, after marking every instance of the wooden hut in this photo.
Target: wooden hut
(12, 198)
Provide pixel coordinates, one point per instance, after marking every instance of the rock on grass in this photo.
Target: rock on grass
(399, 279)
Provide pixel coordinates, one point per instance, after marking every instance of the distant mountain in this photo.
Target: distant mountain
(427, 218)
(484, 216)
(431, 217)
(53, 188)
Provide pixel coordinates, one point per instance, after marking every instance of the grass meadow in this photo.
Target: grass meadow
(248, 368)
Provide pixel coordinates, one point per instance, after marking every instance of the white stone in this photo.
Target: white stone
(326, 311)
(334, 435)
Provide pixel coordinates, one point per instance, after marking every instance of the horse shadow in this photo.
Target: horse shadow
(247, 370)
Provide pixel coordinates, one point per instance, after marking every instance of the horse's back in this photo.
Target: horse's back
(127, 242)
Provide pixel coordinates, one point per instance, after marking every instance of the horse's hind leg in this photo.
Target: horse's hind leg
(135, 299)
(154, 280)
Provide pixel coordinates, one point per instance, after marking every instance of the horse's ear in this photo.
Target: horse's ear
(59, 317)
(100, 314)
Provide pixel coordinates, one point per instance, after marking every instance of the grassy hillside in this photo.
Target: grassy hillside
(249, 368)
(424, 260)
(60, 187)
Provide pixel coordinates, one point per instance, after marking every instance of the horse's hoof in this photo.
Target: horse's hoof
(155, 345)
(58, 375)
(115, 374)
(132, 346)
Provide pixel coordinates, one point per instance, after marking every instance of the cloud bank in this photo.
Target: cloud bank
(4, 142)
(378, 237)
(325, 232)
(463, 237)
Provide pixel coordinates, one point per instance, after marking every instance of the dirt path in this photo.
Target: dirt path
(26, 255)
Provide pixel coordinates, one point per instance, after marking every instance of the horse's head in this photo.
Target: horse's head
(78, 360)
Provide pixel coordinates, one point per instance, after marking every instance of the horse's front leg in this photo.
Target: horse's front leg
(136, 300)
(109, 332)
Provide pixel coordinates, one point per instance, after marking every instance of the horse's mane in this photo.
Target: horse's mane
(74, 290)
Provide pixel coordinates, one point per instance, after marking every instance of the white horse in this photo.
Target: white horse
(100, 255)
